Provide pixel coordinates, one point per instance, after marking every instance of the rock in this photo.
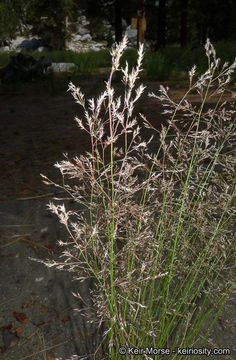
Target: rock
(72, 47)
(29, 44)
(5, 49)
(22, 43)
(131, 33)
(42, 48)
(63, 67)
(83, 30)
(79, 46)
(97, 47)
(82, 26)
(83, 21)
(77, 37)
(86, 37)
(16, 42)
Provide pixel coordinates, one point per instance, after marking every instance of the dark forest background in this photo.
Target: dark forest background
(186, 23)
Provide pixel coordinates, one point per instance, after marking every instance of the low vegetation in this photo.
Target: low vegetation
(171, 63)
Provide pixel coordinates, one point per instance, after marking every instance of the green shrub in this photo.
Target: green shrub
(5, 58)
(158, 67)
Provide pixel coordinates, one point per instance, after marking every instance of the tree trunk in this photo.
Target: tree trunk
(184, 23)
(161, 25)
(66, 33)
(118, 20)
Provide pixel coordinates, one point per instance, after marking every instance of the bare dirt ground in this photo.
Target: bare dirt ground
(37, 128)
(37, 320)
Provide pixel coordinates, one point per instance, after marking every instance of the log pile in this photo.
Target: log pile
(24, 67)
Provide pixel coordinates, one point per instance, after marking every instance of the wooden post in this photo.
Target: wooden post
(139, 24)
(141, 27)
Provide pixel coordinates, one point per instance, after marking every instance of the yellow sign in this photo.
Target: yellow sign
(139, 22)
(134, 23)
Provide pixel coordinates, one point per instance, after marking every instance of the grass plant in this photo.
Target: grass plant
(158, 67)
(156, 232)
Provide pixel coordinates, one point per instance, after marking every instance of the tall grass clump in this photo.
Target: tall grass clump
(86, 62)
(155, 235)
(169, 63)
(158, 67)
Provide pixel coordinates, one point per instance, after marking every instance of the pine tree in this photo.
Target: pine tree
(8, 20)
(49, 20)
